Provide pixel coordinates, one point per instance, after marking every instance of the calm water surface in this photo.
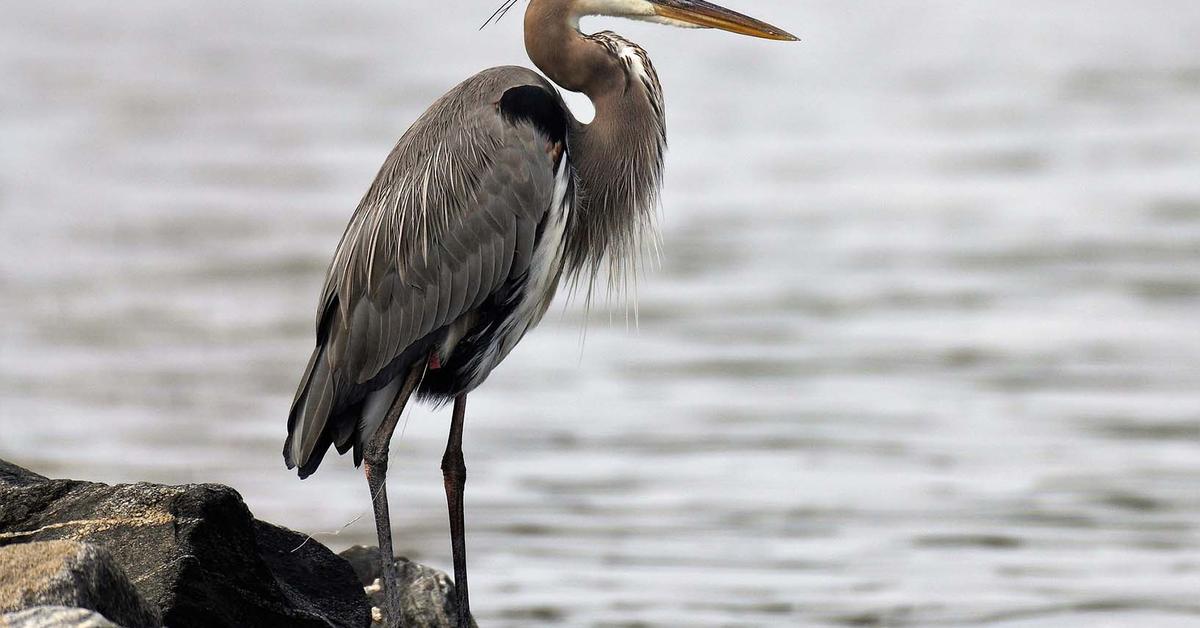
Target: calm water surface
(923, 350)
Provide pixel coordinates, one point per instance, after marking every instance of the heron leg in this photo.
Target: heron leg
(377, 482)
(375, 463)
(454, 474)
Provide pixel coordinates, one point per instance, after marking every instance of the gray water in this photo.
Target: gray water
(923, 349)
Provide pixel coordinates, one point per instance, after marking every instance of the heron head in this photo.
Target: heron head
(681, 13)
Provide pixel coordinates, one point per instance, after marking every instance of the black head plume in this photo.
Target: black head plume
(499, 13)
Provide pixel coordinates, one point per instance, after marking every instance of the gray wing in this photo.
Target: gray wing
(451, 217)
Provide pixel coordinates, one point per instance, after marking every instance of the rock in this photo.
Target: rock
(364, 561)
(12, 475)
(195, 551)
(426, 594)
(311, 576)
(55, 617)
(67, 573)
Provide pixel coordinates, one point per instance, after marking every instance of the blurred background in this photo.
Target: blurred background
(923, 350)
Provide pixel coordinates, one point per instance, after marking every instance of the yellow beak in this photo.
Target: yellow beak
(707, 15)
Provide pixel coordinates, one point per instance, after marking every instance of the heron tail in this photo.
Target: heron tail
(320, 418)
(307, 439)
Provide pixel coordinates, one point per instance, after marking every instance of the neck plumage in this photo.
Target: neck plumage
(618, 157)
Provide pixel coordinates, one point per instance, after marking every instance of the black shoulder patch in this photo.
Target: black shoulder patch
(538, 107)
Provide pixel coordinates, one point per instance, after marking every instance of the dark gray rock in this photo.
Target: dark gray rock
(364, 561)
(12, 475)
(67, 573)
(195, 552)
(55, 617)
(426, 594)
(312, 577)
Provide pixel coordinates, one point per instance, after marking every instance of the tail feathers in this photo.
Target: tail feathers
(320, 417)
(307, 438)
(344, 430)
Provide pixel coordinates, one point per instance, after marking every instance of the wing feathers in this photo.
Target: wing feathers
(458, 287)
(450, 218)
(487, 268)
(445, 297)
(508, 247)
(471, 269)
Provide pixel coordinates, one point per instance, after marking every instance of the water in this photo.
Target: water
(923, 349)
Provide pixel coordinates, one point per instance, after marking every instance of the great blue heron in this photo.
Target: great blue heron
(492, 196)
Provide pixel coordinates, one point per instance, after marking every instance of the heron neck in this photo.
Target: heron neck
(558, 49)
(618, 157)
(618, 160)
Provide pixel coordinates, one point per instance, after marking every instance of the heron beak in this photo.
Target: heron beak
(707, 15)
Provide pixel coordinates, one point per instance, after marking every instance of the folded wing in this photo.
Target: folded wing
(452, 216)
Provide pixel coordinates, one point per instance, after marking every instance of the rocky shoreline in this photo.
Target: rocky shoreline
(83, 554)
